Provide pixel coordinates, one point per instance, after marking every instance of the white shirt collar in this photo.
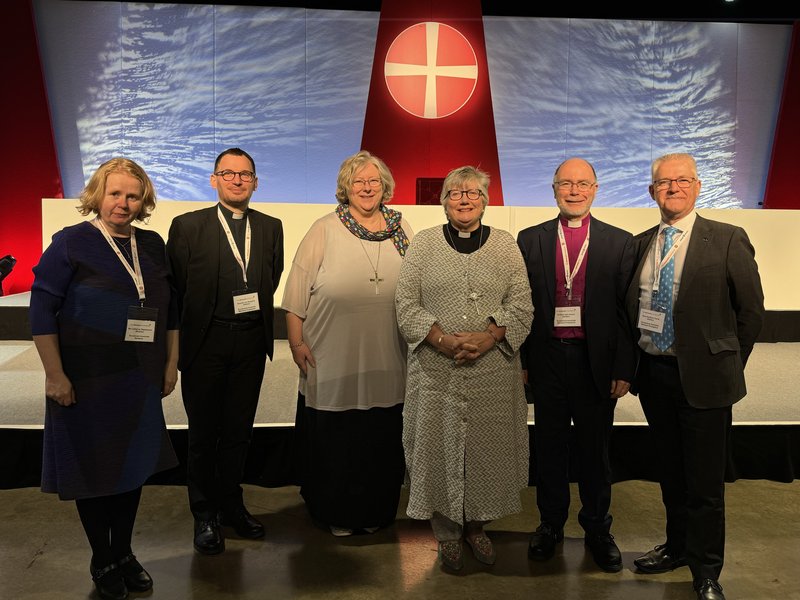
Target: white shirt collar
(684, 224)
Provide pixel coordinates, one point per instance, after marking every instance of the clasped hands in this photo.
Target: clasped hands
(466, 346)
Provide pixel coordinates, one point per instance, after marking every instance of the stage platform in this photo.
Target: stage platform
(765, 441)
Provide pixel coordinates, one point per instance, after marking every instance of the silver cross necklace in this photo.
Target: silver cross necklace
(376, 280)
(472, 295)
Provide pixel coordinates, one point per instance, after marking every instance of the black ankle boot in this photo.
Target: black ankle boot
(108, 582)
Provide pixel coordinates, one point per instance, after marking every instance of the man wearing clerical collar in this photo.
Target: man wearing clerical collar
(578, 359)
(227, 261)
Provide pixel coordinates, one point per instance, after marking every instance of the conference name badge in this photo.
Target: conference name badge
(651, 320)
(141, 325)
(567, 316)
(245, 301)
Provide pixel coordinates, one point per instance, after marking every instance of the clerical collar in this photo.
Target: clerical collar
(464, 234)
(574, 224)
(230, 214)
(470, 242)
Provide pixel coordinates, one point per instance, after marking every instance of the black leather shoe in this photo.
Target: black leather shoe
(708, 589)
(543, 542)
(208, 537)
(133, 574)
(108, 582)
(243, 523)
(604, 551)
(659, 560)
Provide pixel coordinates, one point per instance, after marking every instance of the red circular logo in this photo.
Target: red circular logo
(431, 70)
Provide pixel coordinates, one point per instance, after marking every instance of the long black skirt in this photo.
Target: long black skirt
(350, 464)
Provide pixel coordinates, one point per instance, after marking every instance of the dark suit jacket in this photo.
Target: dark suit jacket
(610, 262)
(194, 254)
(718, 312)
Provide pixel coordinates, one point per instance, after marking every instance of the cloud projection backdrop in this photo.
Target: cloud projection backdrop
(172, 85)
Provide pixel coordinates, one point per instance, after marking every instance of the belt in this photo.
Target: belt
(664, 359)
(237, 325)
(570, 341)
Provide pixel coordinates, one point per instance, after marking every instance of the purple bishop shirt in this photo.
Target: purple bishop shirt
(574, 236)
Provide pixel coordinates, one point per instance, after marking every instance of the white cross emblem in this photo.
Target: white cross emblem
(431, 70)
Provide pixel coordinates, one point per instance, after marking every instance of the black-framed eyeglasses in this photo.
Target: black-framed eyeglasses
(374, 182)
(458, 194)
(566, 186)
(228, 175)
(664, 184)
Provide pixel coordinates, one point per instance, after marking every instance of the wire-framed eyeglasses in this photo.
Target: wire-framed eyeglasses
(566, 186)
(664, 184)
(374, 182)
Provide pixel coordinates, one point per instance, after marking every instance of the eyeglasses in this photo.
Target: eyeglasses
(228, 175)
(566, 186)
(362, 183)
(664, 184)
(458, 194)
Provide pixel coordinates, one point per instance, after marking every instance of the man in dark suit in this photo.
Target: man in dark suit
(227, 261)
(697, 301)
(579, 359)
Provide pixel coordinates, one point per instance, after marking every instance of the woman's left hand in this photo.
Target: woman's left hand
(471, 345)
(170, 380)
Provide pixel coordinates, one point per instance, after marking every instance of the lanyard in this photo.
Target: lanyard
(667, 257)
(234, 247)
(569, 275)
(136, 271)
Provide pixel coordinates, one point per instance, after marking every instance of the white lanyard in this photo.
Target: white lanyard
(569, 275)
(232, 243)
(670, 253)
(136, 271)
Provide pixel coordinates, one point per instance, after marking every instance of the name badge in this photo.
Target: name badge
(245, 301)
(651, 320)
(141, 325)
(568, 316)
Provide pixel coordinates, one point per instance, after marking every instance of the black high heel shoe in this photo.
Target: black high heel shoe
(133, 574)
(109, 582)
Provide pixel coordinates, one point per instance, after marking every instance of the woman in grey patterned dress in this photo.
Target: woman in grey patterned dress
(464, 307)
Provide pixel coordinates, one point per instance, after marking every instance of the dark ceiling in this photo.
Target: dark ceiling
(745, 11)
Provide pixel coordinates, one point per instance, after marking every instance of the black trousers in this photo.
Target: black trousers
(691, 445)
(220, 394)
(567, 394)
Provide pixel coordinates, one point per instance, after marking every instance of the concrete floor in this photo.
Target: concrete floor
(44, 555)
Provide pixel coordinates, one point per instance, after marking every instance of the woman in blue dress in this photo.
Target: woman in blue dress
(104, 322)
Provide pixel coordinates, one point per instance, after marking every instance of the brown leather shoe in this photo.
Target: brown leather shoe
(708, 589)
(659, 560)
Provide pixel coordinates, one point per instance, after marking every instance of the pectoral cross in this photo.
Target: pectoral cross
(474, 297)
(377, 280)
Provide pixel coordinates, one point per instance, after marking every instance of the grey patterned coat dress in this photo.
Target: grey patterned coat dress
(465, 431)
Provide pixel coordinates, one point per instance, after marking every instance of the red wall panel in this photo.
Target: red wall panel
(28, 155)
(782, 190)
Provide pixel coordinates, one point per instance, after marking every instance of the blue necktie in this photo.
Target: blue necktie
(666, 338)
